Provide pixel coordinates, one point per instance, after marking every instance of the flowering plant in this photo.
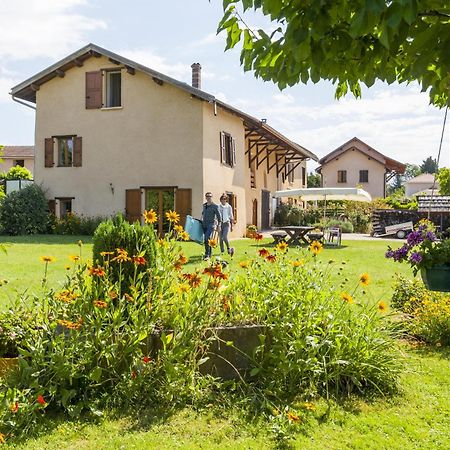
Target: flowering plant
(422, 249)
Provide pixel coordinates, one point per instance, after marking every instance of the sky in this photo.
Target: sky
(169, 35)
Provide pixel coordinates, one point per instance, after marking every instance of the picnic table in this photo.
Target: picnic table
(296, 234)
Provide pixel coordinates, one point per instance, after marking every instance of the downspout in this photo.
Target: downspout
(22, 102)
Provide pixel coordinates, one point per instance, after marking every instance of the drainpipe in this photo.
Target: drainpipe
(22, 102)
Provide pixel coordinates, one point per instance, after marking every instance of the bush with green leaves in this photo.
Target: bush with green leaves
(345, 225)
(73, 224)
(24, 211)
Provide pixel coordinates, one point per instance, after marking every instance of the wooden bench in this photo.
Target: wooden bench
(315, 237)
(279, 236)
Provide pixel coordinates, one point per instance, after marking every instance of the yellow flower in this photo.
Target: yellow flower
(100, 304)
(178, 228)
(382, 307)
(162, 242)
(316, 247)
(282, 246)
(293, 417)
(74, 258)
(364, 279)
(346, 297)
(150, 216)
(172, 216)
(184, 235)
(298, 263)
(244, 264)
(47, 259)
(67, 267)
(2, 439)
(212, 242)
(122, 255)
(309, 406)
(183, 288)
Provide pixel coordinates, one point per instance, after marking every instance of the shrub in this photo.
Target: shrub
(137, 241)
(17, 173)
(24, 211)
(428, 313)
(75, 225)
(345, 226)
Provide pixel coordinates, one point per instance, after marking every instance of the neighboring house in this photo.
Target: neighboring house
(115, 136)
(423, 183)
(17, 155)
(357, 164)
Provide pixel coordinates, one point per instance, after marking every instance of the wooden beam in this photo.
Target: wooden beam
(78, 62)
(258, 152)
(34, 87)
(130, 70)
(114, 61)
(96, 54)
(158, 81)
(60, 73)
(292, 169)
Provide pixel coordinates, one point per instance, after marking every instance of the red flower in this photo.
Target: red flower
(14, 407)
(133, 374)
(139, 260)
(258, 237)
(97, 271)
(146, 359)
(41, 400)
(271, 258)
(263, 252)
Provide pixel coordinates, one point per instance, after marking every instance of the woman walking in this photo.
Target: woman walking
(227, 220)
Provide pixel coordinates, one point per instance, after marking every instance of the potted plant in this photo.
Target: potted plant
(10, 335)
(426, 254)
(251, 231)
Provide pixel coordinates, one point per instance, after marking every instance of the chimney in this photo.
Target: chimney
(196, 75)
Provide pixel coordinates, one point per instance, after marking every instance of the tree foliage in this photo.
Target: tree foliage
(313, 180)
(411, 171)
(443, 178)
(17, 173)
(346, 42)
(429, 165)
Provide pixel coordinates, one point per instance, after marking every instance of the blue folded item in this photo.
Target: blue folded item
(194, 228)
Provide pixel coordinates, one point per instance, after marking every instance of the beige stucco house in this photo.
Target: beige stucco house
(423, 183)
(17, 155)
(115, 136)
(357, 164)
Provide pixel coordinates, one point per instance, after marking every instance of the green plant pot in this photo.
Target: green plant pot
(8, 365)
(437, 278)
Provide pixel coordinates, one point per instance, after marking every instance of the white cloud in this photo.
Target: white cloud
(43, 28)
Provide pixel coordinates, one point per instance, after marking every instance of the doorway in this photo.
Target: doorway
(265, 209)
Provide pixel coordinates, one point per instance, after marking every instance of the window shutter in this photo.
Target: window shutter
(77, 151)
(223, 157)
(233, 152)
(94, 82)
(49, 152)
(234, 206)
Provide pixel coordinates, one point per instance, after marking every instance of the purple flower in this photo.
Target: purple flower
(389, 254)
(415, 258)
(401, 253)
(430, 236)
(414, 238)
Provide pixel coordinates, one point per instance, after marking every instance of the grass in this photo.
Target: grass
(416, 418)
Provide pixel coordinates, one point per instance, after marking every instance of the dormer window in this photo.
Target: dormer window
(103, 89)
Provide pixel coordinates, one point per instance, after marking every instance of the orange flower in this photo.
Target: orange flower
(193, 279)
(263, 252)
(122, 255)
(226, 304)
(100, 304)
(103, 254)
(41, 400)
(47, 259)
(150, 216)
(182, 259)
(364, 279)
(128, 297)
(146, 359)
(258, 237)
(293, 417)
(172, 216)
(346, 297)
(112, 295)
(66, 296)
(212, 242)
(97, 271)
(139, 260)
(382, 307)
(133, 374)
(271, 258)
(14, 407)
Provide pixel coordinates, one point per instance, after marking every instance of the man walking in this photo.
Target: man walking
(227, 219)
(210, 219)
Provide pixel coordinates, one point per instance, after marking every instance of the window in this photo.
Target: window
(19, 162)
(304, 176)
(363, 176)
(227, 149)
(113, 89)
(103, 89)
(65, 206)
(232, 200)
(68, 150)
(65, 151)
(342, 176)
(290, 172)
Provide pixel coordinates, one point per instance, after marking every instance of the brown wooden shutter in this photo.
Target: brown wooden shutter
(94, 82)
(183, 204)
(233, 152)
(77, 153)
(133, 205)
(49, 161)
(223, 156)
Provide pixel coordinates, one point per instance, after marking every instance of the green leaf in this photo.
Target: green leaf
(96, 374)
(254, 371)
(359, 23)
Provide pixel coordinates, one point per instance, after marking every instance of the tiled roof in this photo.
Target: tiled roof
(17, 151)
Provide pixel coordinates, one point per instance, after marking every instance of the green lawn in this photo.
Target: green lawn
(417, 418)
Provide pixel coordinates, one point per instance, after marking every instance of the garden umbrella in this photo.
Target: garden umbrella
(307, 194)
